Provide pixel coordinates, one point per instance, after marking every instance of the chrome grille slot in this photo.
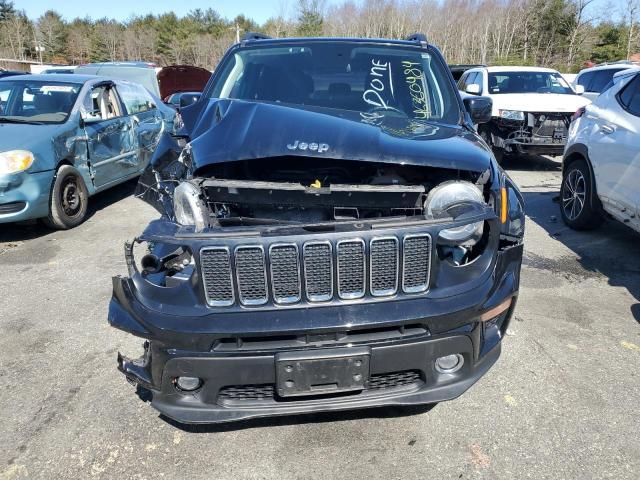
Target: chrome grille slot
(251, 275)
(383, 254)
(216, 272)
(416, 264)
(351, 268)
(318, 271)
(285, 273)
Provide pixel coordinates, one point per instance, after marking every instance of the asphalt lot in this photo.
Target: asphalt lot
(561, 403)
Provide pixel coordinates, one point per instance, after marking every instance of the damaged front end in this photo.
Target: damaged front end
(255, 260)
(541, 133)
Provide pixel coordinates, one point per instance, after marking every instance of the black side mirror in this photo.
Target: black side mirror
(479, 108)
(186, 100)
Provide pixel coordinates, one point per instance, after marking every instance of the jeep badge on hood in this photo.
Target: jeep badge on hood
(298, 145)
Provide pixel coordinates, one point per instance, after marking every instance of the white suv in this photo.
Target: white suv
(532, 108)
(601, 164)
(596, 80)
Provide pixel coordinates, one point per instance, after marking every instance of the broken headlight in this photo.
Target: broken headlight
(188, 207)
(450, 199)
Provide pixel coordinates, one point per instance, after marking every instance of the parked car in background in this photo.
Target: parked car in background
(601, 164)
(597, 79)
(58, 70)
(142, 73)
(532, 108)
(334, 235)
(181, 79)
(161, 82)
(11, 73)
(65, 137)
(457, 70)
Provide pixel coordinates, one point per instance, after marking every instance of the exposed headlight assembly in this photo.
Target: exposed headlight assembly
(188, 207)
(15, 161)
(450, 199)
(511, 114)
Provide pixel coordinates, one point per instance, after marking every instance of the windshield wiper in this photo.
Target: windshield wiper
(19, 120)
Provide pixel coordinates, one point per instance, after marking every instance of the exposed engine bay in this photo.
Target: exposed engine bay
(535, 128)
(290, 190)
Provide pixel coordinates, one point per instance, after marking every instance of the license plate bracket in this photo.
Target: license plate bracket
(322, 372)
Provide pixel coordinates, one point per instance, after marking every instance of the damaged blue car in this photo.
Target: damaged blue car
(66, 138)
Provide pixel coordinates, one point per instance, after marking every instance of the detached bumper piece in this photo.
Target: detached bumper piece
(251, 386)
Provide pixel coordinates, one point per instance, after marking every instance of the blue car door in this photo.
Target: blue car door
(146, 120)
(112, 143)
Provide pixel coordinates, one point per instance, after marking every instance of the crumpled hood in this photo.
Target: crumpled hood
(42, 140)
(538, 102)
(230, 130)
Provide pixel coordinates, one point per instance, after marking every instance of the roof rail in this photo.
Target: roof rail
(250, 36)
(417, 37)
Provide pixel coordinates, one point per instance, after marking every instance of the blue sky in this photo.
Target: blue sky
(259, 10)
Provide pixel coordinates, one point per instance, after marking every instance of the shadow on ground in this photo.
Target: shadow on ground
(321, 417)
(14, 232)
(610, 251)
(530, 163)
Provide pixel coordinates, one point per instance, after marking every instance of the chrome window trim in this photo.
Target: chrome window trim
(260, 301)
(383, 293)
(218, 303)
(355, 295)
(318, 298)
(285, 300)
(419, 289)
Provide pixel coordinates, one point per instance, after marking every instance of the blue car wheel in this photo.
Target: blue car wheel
(68, 202)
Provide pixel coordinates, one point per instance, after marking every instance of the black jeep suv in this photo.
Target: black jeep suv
(333, 235)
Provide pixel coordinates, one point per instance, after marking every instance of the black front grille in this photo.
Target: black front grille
(251, 275)
(351, 269)
(393, 380)
(384, 266)
(247, 392)
(285, 273)
(11, 207)
(417, 255)
(379, 381)
(316, 270)
(218, 285)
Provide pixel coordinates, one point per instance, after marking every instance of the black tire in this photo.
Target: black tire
(68, 201)
(498, 152)
(579, 205)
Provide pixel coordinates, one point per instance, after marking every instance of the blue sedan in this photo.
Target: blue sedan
(65, 138)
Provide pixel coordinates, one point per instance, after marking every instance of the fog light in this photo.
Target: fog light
(449, 363)
(188, 384)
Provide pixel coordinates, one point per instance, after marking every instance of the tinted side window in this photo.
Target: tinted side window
(585, 79)
(629, 97)
(135, 98)
(601, 79)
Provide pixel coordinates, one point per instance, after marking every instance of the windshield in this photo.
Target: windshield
(528, 82)
(372, 80)
(26, 101)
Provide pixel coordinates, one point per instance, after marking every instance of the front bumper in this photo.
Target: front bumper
(541, 133)
(238, 368)
(24, 196)
(242, 387)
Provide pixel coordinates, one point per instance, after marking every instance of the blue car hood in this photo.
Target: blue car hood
(230, 130)
(48, 143)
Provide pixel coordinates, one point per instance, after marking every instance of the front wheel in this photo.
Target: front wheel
(68, 202)
(578, 202)
(498, 152)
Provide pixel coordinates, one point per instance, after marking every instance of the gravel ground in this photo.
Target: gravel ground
(561, 402)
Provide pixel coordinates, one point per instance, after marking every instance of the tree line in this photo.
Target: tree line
(559, 33)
